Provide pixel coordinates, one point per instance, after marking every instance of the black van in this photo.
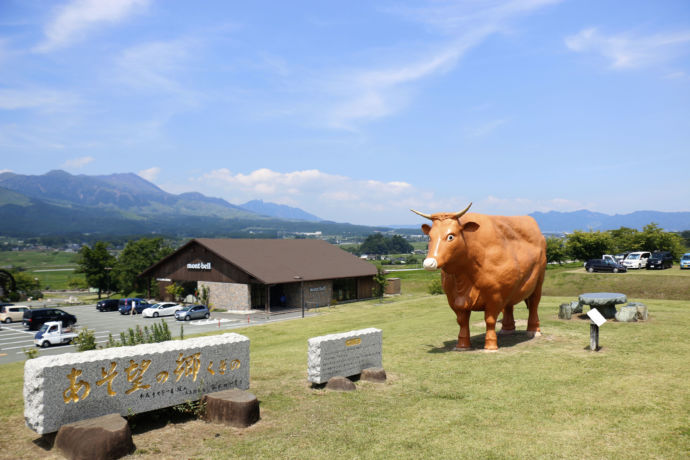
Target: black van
(108, 305)
(34, 319)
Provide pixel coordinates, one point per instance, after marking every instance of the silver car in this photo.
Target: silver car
(161, 309)
(192, 312)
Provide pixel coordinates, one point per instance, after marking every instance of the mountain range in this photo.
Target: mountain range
(563, 222)
(58, 203)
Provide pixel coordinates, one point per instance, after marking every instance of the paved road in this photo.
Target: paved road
(14, 338)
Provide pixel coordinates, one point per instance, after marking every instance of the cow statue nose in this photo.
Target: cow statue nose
(430, 263)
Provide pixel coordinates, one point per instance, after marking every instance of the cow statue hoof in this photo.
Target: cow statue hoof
(462, 349)
(490, 350)
(533, 334)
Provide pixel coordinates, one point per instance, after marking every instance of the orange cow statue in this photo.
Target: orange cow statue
(489, 264)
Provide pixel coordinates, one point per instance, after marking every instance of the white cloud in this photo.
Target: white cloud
(5, 171)
(485, 129)
(156, 67)
(370, 94)
(77, 163)
(73, 21)
(627, 51)
(359, 201)
(35, 98)
(519, 206)
(150, 174)
(329, 196)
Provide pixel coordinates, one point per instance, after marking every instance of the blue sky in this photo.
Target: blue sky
(357, 111)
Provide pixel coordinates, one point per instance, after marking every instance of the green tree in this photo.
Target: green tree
(555, 250)
(96, 264)
(685, 236)
(588, 245)
(26, 284)
(624, 239)
(135, 258)
(175, 290)
(374, 244)
(654, 238)
(379, 282)
(399, 245)
(377, 243)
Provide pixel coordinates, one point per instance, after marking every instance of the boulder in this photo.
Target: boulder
(105, 437)
(627, 314)
(373, 374)
(565, 311)
(642, 312)
(576, 307)
(339, 383)
(233, 407)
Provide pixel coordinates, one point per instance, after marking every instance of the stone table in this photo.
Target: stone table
(605, 302)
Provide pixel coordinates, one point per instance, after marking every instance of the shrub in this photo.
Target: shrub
(30, 353)
(157, 333)
(86, 340)
(435, 287)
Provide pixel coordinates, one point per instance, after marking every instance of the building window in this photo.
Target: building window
(345, 289)
(258, 295)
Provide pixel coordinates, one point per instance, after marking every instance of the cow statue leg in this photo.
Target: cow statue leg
(491, 341)
(464, 335)
(508, 321)
(533, 318)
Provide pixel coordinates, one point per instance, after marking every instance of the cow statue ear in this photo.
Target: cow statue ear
(426, 228)
(470, 226)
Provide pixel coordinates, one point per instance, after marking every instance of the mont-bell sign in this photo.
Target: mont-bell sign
(199, 266)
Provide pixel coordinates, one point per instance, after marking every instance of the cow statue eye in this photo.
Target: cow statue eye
(450, 238)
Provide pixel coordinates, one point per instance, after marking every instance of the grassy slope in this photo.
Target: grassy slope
(544, 398)
(44, 260)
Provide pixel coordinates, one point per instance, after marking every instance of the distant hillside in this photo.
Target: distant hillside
(126, 193)
(278, 210)
(554, 221)
(58, 203)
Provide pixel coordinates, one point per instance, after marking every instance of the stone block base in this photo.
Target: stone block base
(339, 383)
(106, 437)
(373, 374)
(627, 314)
(234, 407)
(565, 311)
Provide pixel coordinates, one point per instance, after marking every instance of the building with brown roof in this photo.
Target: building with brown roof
(242, 274)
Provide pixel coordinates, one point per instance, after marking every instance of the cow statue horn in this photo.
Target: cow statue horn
(461, 213)
(428, 216)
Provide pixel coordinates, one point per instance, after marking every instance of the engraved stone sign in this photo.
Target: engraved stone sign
(344, 354)
(127, 380)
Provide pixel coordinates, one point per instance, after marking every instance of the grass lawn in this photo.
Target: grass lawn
(544, 398)
(54, 269)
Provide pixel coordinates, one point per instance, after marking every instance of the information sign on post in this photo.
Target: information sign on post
(597, 320)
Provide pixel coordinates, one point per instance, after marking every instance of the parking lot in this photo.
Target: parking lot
(14, 338)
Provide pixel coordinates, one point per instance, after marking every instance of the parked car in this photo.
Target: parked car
(637, 259)
(161, 309)
(660, 260)
(108, 305)
(34, 319)
(621, 257)
(10, 313)
(685, 261)
(125, 305)
(604, 265)
(609, 257)
(192, 312)
(52, 333)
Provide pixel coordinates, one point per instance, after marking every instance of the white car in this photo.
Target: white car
(161, 309)
(636, 259)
